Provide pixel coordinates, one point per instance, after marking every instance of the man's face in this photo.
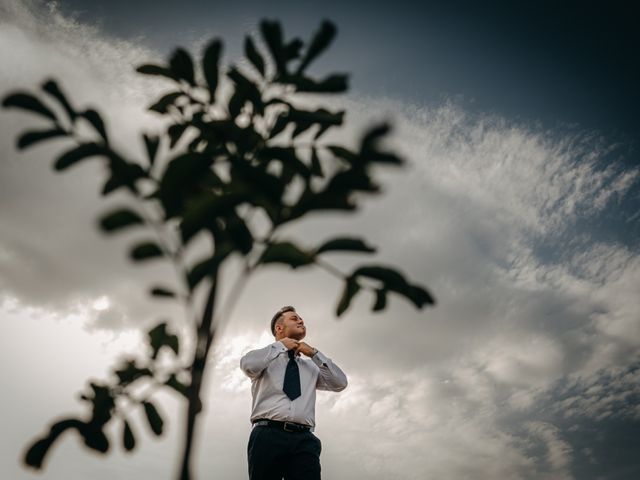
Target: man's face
(293, 326)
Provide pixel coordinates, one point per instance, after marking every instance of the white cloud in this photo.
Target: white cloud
(435, 393)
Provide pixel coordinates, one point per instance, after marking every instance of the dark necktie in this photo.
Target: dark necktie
(292, 377)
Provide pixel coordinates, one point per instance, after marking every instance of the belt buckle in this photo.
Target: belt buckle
(289, 423)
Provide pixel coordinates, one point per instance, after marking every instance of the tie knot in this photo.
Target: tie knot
(291, 353)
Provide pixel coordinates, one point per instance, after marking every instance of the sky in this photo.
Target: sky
(518, 209)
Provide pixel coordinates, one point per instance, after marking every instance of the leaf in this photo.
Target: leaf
(162, 104)
(272, 35)
(351, 287)
(26, 101)
(345, 244)
(128, 439)
(181, 65)
(159, 337)
(162, 292)
(204, 268)
(245, 90)
(119, 219)
(175, 132)
(103, 403)
(145, 251)
(37, 452)
(320, 42)
(344, 153)
(96, 121)
(151, 143)
(94, 438)
(395, 281)
(420, 296)
(287, 156)
(131, 372)
(78, 153)
(210, 62)
(158, 70)
(381, 299)
(177, 385)
(29, 138)
(155, 420)
(286, 252)
(251, 52)
(123, 174)
(52, 88)
(336, 83)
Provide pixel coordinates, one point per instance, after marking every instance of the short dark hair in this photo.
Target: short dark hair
(287, 308)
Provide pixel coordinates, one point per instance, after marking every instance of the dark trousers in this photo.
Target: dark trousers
(275, 454)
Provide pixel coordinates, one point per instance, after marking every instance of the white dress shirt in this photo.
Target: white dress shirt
(266, 367)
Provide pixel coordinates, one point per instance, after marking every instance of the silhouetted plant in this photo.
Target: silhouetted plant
(229, 158)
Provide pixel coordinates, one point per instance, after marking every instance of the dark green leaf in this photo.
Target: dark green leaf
(316, 166)
(419, 296)
(351, 287)
(123, 174)
(52, 88)
(119, 219)
(103, 404)
(26, 101)
(78, 153)
(29, 138)
(159, 337)
(94, 438)
(162, 105)
(251, 52)
(239, 233)
(345, 244)
(287, 156)
(210, 66)
(128, 439)
(281, 123)
(37, 452)
(201, 212)
(246, 90)
(207, 267)
(162, 292)
(156, 70)
(155, 420)
(291, 50)
(175, 132)
(151, 143)
(286, 252)
(272, 35)
(96, 121)
(343, 153)
(336, 83)
(130, 372)
(393, 279)
(381, 299)
(177, 385)
(181, 65)
(145, 251)
(320, 42)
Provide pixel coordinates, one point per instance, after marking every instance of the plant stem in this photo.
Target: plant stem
(194, 407)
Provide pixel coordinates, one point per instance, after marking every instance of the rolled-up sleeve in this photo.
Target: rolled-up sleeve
(330, 377)
(253, 363)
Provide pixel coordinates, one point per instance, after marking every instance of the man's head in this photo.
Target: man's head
(287, 323)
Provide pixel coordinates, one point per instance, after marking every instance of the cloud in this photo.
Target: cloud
(536, 328)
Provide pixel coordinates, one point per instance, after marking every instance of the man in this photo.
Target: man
(283, 387)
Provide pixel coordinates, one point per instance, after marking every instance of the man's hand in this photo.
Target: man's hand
(308, 350)
(290, 343)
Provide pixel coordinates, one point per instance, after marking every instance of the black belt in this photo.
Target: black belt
(287, 426)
